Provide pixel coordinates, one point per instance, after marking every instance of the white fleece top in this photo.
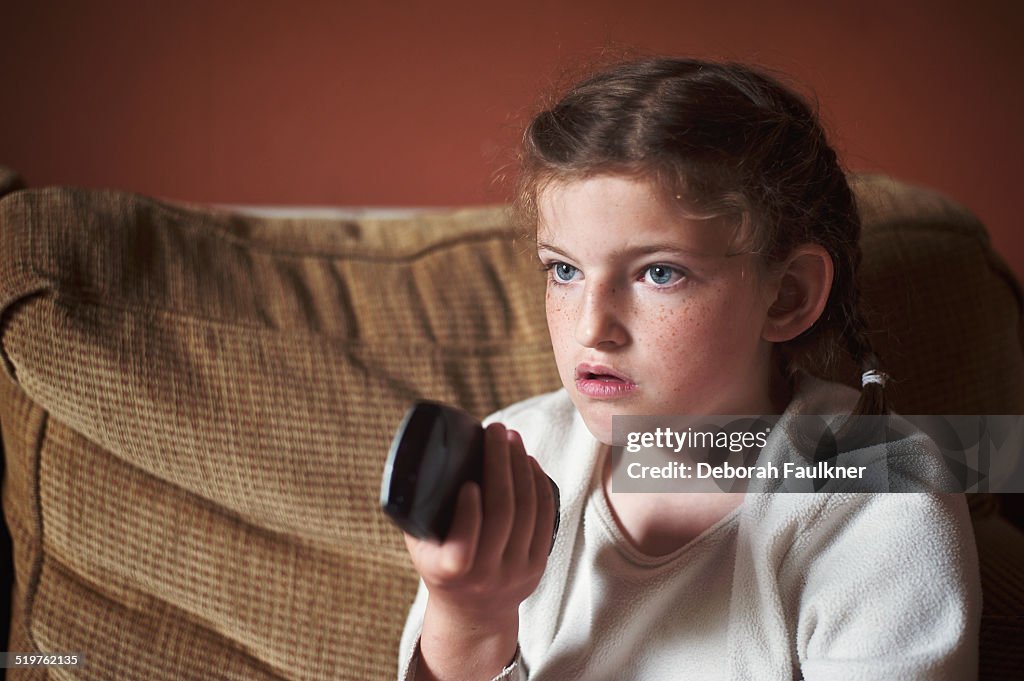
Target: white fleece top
(823, 586)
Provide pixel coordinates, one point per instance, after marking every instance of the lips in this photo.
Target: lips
(602, 382)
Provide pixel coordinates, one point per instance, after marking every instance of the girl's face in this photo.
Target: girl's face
(648, 312)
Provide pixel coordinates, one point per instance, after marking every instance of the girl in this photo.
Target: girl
(701, 244)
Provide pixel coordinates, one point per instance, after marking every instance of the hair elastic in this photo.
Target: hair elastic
(874, 376)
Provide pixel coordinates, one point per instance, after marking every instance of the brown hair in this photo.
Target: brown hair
(729, 141)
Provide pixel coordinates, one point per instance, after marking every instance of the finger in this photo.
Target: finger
(497, 496)
(517, 550)
(458, 551)
(424, 554)
(447, 562)
(544, 526)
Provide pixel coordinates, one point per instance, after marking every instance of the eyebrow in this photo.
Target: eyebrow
(638, 250)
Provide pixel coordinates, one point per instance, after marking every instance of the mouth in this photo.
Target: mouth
(597, 372)
(602, 382)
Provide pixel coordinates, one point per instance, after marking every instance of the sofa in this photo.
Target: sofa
(197, 401)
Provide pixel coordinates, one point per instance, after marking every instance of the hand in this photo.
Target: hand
(492, 559)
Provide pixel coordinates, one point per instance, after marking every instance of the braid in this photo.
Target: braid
(872, 400)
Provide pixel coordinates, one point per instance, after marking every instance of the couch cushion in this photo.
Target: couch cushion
(944, 306)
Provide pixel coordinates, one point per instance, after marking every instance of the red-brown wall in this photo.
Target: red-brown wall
(392, 102)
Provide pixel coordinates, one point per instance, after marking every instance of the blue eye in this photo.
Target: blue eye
(563, 272)
(661, 275)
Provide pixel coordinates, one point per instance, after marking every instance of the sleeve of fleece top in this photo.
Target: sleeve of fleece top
(890, 590)
(409, 650)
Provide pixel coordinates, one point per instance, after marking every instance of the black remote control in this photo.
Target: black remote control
(435, 450)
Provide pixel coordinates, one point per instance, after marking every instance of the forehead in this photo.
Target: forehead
(624, 213)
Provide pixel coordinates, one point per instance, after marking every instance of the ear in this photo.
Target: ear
(804, 283)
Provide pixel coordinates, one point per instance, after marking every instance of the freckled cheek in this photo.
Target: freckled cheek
(556, 308)
(561, 324)
(668, 321)
(683, 340)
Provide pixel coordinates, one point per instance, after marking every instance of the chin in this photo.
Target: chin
(600, 426)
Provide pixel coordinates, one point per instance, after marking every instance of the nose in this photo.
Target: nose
(600, 323)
